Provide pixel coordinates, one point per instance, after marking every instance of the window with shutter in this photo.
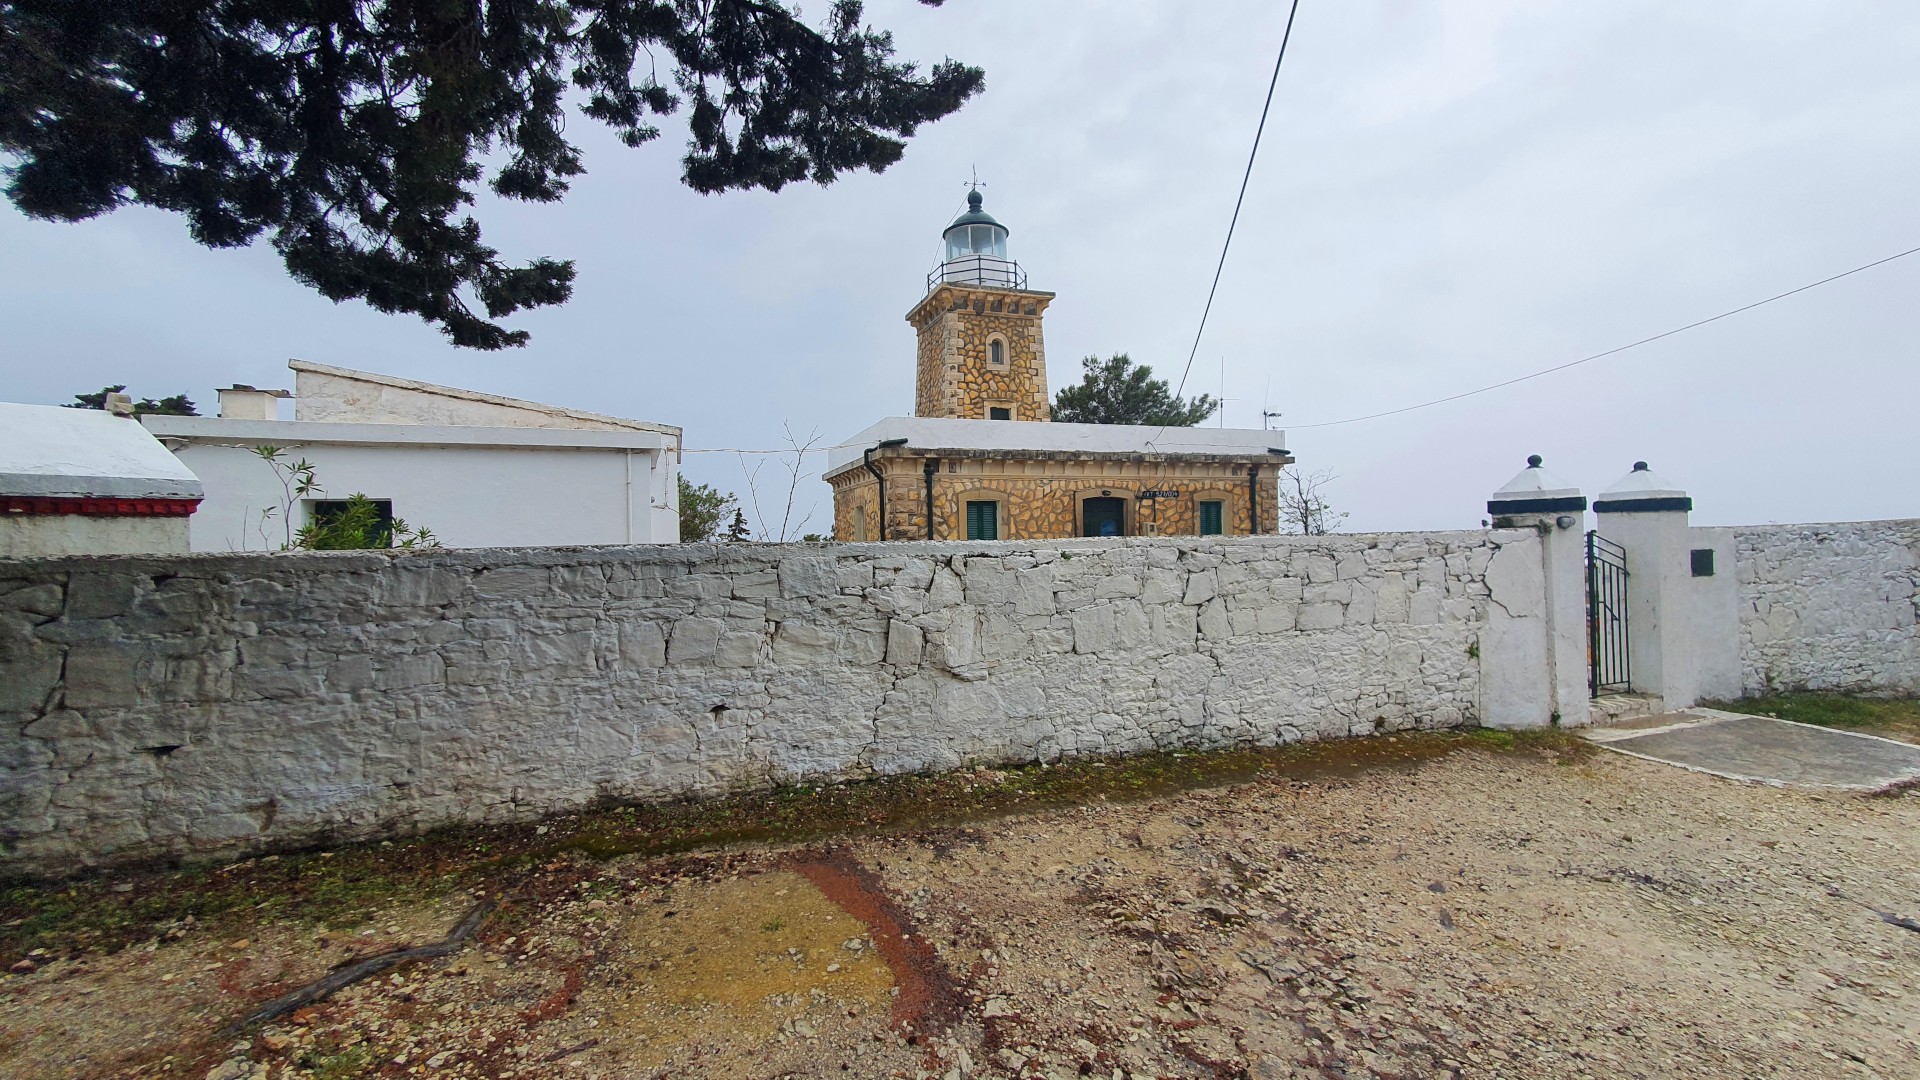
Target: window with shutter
(983, 521)
(1211, 518)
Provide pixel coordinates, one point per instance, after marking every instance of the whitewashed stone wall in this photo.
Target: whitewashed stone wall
(1830, 607)
(213, 703)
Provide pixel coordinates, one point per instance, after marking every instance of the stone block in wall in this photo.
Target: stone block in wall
(1003, 637)
(29, 666)
(904, 644)
(808, 576)
(1392, 602)
(1322, 616)
(738, 649)
(855, 577)
(424, 586)
(1337, 592)
(44, 599)
(1095, 630)
(1213, 622)
(548, 655)
(1313, 568)
(1286, 590)
(700, 588)
(1275, 618)
(863, 641)
(756, 586)
(959, 643)
(694, 641)
(1201, 587)
(945, 590)
(1162, 585)
(1424, 607)
(101, 595)
(1033, 593)
(102, 676)
(1361, 608)
(406, 672)
(988, 581)
(801, 642)
(62, 724)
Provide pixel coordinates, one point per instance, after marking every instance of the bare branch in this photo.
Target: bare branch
(1303, 505)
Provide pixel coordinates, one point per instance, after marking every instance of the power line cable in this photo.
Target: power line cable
(1451, 397)
(1612, 351)
(1246, 176)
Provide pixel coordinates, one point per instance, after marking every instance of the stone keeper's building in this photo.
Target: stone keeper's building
(980, 459)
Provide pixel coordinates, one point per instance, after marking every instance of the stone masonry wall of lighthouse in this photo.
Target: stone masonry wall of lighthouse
(956, 377)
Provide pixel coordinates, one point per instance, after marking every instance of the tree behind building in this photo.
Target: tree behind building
(1118, 391)
(704, 512)
(177, 405)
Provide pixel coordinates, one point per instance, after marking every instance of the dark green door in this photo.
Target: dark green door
(983, 521)
(1103, 517)
(1210, 524)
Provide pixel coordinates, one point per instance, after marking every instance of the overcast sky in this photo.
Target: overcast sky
(1447, 195)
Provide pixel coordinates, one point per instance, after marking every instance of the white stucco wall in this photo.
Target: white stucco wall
(469, 496)
(1713, 612)
(23, 535)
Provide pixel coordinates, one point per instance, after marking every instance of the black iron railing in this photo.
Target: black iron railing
(1608, 667)
(978, 270)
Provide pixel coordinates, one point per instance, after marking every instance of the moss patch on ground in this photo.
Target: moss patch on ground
(1894, 718)
(111, 911)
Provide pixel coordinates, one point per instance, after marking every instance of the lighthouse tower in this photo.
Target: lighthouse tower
(981, 356)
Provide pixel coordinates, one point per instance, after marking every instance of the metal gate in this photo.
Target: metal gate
(1608, 670)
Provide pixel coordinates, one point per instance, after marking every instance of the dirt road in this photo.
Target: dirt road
(1538, 912)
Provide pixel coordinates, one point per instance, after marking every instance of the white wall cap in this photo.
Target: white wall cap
(80, 453)
(453, 392)
(933, 433)
(1641, 483)
(290, 433)
(1534, 482)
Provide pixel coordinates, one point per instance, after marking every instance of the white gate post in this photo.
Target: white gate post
(1538, 676)
(1647, 517)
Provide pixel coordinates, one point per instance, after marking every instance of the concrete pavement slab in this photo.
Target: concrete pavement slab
(1766, 750)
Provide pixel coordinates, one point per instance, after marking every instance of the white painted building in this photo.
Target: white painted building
(477, 469)
(88, 482)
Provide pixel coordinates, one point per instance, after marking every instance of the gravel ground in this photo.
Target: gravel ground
(1540, 912)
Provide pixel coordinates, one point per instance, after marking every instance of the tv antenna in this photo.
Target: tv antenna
(1266, 399)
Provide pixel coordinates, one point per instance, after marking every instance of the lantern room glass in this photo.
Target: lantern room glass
(977, 240)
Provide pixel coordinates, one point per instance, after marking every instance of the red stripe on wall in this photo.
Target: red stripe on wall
(93, 507)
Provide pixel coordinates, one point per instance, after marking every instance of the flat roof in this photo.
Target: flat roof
(214, 429)
(942, 433)
(51, 450)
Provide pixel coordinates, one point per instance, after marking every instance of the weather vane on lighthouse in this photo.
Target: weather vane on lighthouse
(976, 183)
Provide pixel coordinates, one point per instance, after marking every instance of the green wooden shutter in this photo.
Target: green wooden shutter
(1210, 519)
(983, 521)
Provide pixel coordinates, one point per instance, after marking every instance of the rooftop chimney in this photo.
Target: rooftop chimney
(243, 402)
